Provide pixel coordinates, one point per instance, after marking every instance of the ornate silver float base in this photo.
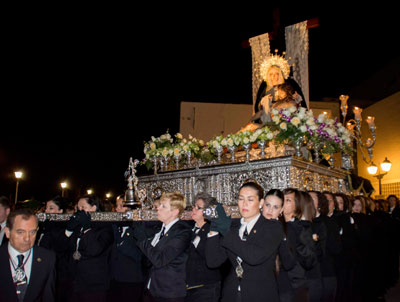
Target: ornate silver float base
(223, 181)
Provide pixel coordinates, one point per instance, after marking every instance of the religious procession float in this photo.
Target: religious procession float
(285, 144)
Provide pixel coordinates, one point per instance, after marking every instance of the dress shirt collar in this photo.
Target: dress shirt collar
(250, 224)
(169, 225)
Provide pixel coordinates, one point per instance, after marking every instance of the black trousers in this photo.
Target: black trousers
(147, 297)
(208, 292)
(125, 291)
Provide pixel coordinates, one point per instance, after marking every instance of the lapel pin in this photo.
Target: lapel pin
(39, 259)
(255, 231)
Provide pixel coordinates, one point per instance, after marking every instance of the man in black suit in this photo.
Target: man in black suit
(27, 272)
(166, 251)
(4, 212)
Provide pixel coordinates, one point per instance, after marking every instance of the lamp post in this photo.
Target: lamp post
(63, 187)
(18, 176)
(386, 165)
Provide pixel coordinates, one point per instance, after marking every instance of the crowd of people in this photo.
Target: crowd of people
(288, 245)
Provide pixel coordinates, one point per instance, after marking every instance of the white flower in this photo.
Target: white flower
(153, 138)
(276, 119)
(152, 146)
(292, 109)
(275, 111)
(258, 132)
(286, 112)
(246, 140)
(224, 142)
(179, 136)
(283, 126)
(164, 152)
(215, 144)
(229, 142)
(190, 137)
(170, 152)
(295, 121)
(201, 142)
(310, 122)
(270, 135)
(168, 136)
(303, 128)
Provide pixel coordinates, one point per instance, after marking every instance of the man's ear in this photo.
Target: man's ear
(7, 232)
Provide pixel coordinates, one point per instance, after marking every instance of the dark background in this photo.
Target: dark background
(82, 90)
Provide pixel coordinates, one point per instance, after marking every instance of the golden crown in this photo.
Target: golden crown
(275, 60)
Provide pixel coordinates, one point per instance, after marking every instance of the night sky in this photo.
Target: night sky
(82, 92)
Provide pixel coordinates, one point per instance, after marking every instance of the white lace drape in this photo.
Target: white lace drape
(297, 49)
(260, 49)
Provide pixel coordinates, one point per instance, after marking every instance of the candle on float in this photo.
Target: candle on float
(357, 113)
(343, 106)
(350, 126)
(371, 122)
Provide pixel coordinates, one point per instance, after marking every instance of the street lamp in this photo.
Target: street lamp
(18, 176)
(386, 165)
(63, 187)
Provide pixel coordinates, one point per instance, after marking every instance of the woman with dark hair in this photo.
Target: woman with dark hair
(298, 214)
(202, 283)
(251, 247)
(48, 236)
(88, 245)
(342, 201)
(329, 244)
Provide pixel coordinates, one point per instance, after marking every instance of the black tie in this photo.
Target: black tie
(162, 233)
(245, 234)
(21, 285)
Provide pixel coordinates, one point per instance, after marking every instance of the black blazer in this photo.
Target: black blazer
(126, 258)
(41, 285)
(91, 272)
(258, 253)
(168, 261)
(197, 271)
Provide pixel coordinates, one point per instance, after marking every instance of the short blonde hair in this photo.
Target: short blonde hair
(176, 200)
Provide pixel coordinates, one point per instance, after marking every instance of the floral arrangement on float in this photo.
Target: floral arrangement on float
(293, 126)
(163, 150)
(299, 127)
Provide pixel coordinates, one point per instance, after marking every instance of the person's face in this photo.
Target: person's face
(272, 207)
(392, 201)
(314, 197)
(165, 213)
(357, 207)
(249, 203)
(119, 206)
(197, 211)
(52, 208)
(273, 76)
(289, 205)
(3, 213)
(340, 202)
(84, 206)
(331, 203)
(23, 234)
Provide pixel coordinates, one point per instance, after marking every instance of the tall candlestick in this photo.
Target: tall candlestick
(371, 122)
(357, 113)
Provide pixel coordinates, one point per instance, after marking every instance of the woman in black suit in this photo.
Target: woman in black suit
(89, 245)
(202, 282)
(290, 273)
(251, 247)
(328, 232)
(48, 237)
